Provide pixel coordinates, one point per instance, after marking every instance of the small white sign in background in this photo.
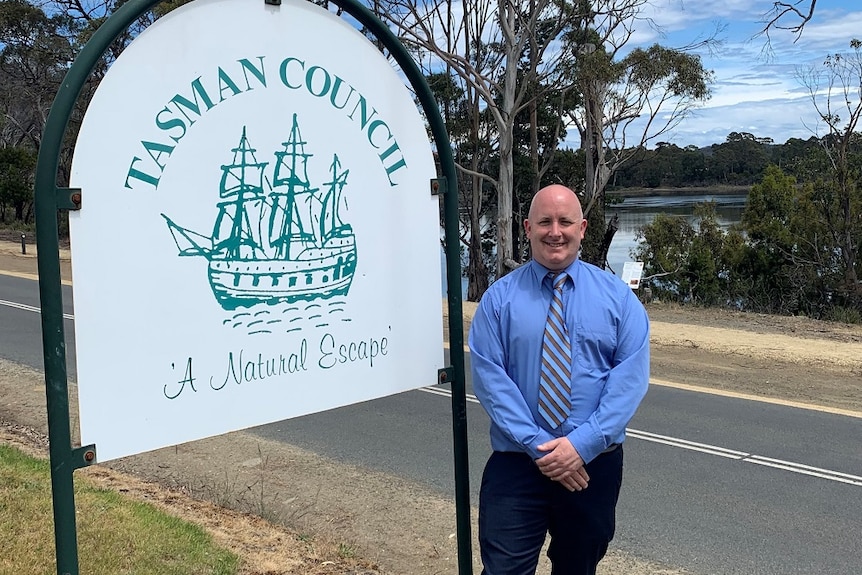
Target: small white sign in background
(257, 240)
(632, 272)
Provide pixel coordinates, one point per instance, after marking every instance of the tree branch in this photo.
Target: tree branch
(782, 9)
(479, 175)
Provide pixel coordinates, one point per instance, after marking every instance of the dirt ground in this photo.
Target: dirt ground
(325, 517)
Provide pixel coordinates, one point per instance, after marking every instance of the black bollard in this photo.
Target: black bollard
(23, 245)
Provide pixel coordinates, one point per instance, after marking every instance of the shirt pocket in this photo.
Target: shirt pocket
(596, 345)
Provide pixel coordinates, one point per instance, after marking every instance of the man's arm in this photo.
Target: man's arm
(497, 392)
(625, 387)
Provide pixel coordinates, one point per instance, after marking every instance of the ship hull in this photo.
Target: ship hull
(315, 274)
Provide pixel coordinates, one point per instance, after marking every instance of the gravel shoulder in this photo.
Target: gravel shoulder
(325, 517)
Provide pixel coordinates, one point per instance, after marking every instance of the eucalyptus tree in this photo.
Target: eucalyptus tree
(503, 52)
(740, 159)
(16, 183)
(789, 261)
(835, 89)
(39, 39)
(538, 131)
(630, 98)
(469, 128)
(36, 51)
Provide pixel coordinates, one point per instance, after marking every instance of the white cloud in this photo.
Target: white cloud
(777, 118)
(832, 30)
(676, 15)
(757, 87)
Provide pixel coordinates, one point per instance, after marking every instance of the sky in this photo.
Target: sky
(755, 87)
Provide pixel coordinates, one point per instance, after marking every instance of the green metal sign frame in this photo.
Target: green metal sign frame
(50, 198)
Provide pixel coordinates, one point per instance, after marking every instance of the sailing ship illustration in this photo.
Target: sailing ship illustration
(275, 240)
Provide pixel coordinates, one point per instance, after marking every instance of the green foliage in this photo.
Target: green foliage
(160, 10)
(568, 168)
(740, 160)
(786, 227)
(844, 315)
(17, 165)
(664, 246)
(681, 73)
(34, 52)
(770, 210)
(784, 257)
(687, 261)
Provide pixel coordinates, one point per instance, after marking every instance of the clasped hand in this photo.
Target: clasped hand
(563, 463)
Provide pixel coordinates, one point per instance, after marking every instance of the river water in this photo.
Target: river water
(636, 212)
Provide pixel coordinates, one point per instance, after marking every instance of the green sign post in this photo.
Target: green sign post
(50, 198)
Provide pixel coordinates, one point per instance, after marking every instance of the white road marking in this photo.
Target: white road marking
(30, 308)
(805, 469)
(713, 450)
(685, 444)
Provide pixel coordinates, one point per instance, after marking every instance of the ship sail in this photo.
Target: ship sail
(236, 234)
(330, 222)
(290, 189)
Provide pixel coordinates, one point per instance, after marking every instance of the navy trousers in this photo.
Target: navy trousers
(518, 506)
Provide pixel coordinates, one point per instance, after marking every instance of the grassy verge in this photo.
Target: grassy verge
(115, 534)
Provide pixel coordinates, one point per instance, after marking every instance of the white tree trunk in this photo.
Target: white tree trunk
(512, 48)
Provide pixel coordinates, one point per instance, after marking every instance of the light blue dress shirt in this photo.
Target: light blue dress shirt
(609, 331)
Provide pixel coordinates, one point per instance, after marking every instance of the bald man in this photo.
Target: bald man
(560, 361)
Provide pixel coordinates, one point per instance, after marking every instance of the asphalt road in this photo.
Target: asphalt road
(21, 327)
(712, 484)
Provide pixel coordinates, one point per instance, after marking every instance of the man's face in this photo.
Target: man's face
(555, 227)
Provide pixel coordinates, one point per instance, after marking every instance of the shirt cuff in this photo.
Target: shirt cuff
(588, 441)
(532, 447)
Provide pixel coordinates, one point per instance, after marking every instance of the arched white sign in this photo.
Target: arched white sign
(257, 238)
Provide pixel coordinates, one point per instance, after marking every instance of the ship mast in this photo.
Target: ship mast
(239, 184)
(329, 220)
(294, 161)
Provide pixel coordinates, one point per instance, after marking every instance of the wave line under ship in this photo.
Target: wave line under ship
(283, 245)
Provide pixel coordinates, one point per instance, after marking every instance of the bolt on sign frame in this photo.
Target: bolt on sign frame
(50, 198)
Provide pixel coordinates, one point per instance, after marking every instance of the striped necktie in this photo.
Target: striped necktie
(555, 388)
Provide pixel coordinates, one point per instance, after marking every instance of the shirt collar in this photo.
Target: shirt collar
(540, 272)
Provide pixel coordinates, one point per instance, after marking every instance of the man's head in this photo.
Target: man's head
(555, 227)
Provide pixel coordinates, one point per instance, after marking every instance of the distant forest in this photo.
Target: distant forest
(739, 161)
